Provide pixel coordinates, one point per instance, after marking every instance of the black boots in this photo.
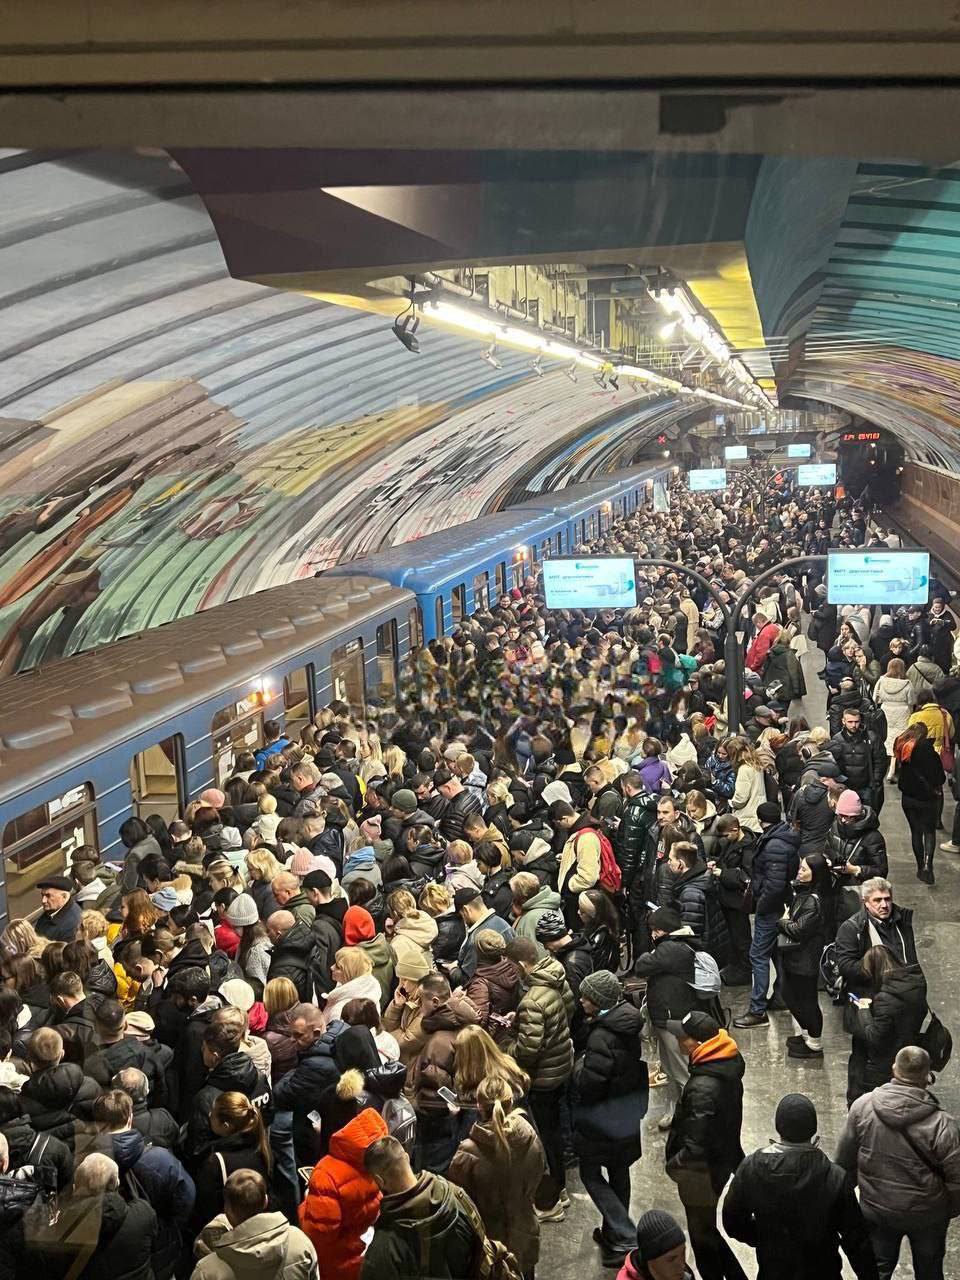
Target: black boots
(926, 870)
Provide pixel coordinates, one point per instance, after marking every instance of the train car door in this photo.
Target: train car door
(346, 677)
(157, 779)
(298, 687)
(237, 728)
(387, 663)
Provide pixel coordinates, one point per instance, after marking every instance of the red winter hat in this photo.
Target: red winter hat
(358, 926)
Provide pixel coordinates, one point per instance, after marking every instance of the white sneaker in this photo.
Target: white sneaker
(564, 1198)
(949, 847)
(556, 1214)
(664, 1123)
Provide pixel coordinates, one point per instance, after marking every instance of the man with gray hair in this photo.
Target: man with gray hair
(904, 1151)
(156, 1124)
(879, 922)
(305, 780)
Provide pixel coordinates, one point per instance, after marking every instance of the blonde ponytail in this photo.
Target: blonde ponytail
(350, 1085)
(495, 1102)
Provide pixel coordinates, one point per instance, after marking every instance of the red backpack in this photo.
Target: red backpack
(610, 878)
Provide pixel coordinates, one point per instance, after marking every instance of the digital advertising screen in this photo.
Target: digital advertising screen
(735, 453)
(878, 576)
(590, 582)
(705, 480)
(816, 474)
(798, 451)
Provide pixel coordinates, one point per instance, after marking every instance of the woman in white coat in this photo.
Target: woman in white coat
(750, 790)
(352, 971)
(895, 695)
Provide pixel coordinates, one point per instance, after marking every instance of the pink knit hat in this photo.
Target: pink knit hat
(849, 805)
(213, 797)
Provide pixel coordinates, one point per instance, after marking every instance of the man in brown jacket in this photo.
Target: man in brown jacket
(545, 1051)
(904, 1150)
(444, 1014)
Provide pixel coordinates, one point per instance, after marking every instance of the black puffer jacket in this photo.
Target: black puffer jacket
(790, 766)
(124, 1237)
(735, 860)
(859, 842)
(810, 812)
(805, 930)
(56, 1098)
(775, 864)
(451, 932)
(854, 940)
(893, 1020)
(669, 970)
(696, 895)
(611, 1067)
(455, 814)
(861, 758)
(300, 1088)
(705, 1134)
(577, 960)
(632, 849)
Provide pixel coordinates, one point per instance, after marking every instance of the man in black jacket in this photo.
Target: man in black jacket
(695, 897)
(633, 852)
(703, 1147)
(729, 850)
(861, 756)
(880, 922)
(291, 955)
(670, 972)
(775, 864)
(459, 800)
(299, 1090)
(795, 1207)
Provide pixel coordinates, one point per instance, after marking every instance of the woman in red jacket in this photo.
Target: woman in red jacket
(342, 1201)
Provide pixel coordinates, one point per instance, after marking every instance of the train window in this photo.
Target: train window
(501, 578)
(416, 627)
(438, 614)
(238, 727)
(458, 602)
(533, 552)
(560, 543)
(39, 843)
(593, 527)
(583, 530)
(157, 779)
(387, 663)
(517, 571)
(481, 591)
(297, 685)
(544, 548)
(347, 677)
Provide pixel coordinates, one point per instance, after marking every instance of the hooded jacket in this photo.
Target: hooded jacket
(859, 842)
(434, 1066)
(234, 1072)
(810, 812)
(381, 957)
(168, 1186)
(494, 990)
(503, 1184)
(361, 865)
(413, 938)
(545, 899)
(854, 939)
(775, 864)
(792, 1204)
(705, 1134)
(265, 1247)
(101, 1237)
(904, 1151)
(544, 1015)
(423, 1232)
(783, 664)
(669, 969)
(342, 1200)
(56, 1098)
(299, 1090)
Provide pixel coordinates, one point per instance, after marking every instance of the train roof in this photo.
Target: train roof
(446, 556)
(82, 705)
(575, 499)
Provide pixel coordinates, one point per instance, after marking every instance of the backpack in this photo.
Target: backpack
(937, 1041)
(610, 877)
(494, 1260)
(30, 1183)
(706, 974)
(830, 972)
(401, 1121)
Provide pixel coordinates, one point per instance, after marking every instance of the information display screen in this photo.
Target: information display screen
(798, 451)
(735, 453)
(707, 479)
(590, 582)
(817, 473)
(878, 577)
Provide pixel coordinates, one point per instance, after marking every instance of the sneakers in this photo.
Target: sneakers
(658, 1079)
(555, 1214)
(949, 847)
(793, 1041)
(751, 1019)
(803, 1050)
(564, 1198)
(664, 1123)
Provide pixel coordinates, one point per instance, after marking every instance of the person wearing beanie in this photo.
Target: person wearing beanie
(213, 798)
(403, 1016)
(661, 1252)
(703, 1146)
(572, 950)
(494, 989)
(611, 1076)
(775, 864)
(795, 1207)
(855, 846)
(360, 931)
(802, 936)
(669, 969)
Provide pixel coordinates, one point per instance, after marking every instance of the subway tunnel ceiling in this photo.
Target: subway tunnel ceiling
(185, 419)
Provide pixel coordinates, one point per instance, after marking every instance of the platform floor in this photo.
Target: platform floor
(567, 1250)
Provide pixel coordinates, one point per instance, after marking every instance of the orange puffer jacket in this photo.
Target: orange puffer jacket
(341, 1200)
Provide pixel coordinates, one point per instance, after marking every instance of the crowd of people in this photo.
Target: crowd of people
(364, 1011)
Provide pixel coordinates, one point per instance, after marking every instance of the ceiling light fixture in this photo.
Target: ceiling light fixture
(490, 356)
(537, 366)
(571, 371)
